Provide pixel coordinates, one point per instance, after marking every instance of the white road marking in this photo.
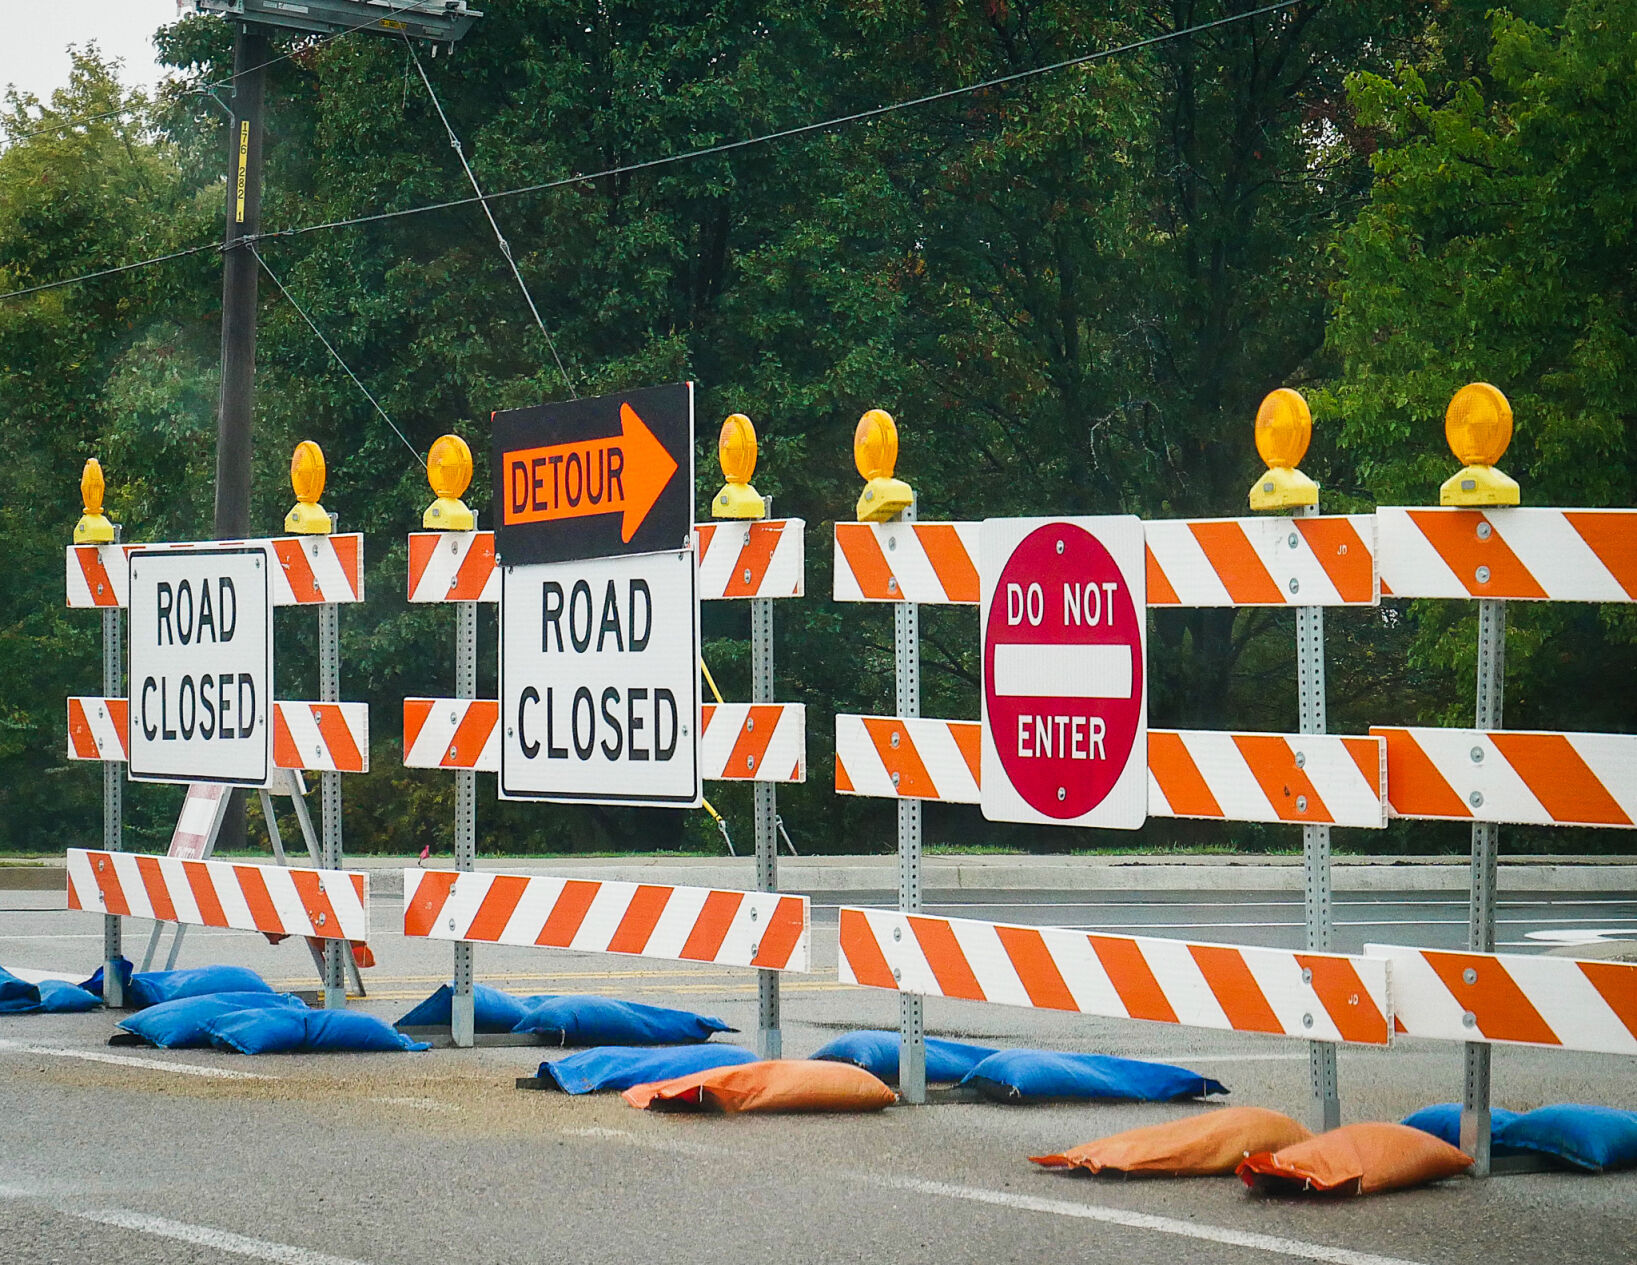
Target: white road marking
(1143, 1221)
(127, 1060)
(205, 1236)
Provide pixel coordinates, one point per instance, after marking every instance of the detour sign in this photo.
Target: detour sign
(1065, 697)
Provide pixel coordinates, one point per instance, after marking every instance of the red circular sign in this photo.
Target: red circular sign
(1062, 671)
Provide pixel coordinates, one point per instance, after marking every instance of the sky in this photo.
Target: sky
(34, 50)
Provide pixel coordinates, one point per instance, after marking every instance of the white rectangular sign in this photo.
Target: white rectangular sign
(1065, 693)
(202, 664)
(599, 681)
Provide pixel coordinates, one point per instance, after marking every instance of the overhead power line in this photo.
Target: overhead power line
(210, 87)
(708, 151)
(804, 129)
(108, 272)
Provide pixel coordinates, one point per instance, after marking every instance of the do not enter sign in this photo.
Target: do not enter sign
(1065, 694)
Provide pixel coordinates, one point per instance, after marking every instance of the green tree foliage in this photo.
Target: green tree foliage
(1072, 290)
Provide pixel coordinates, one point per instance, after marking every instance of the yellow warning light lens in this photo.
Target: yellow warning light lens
(736, 448)
(91, 487)
(1283, 428)
(307, 472)
(875, 445)
(1478, 424)
(449, 467)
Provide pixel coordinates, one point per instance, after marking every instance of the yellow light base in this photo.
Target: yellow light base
(308, 519)
(883, 499)
(449, 513)
(1281, 488)
(738, 500)
(1479, 485)
(94, 529)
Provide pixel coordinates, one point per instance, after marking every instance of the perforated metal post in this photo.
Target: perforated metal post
(1485, 854)
(906, 624)
(1317, 919)
(329, 793)
(462, 1021)
(769, 1038)
(113, 800)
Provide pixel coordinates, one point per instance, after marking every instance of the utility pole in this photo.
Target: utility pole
(236, 407)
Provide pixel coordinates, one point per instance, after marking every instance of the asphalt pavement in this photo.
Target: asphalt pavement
(146, 1155)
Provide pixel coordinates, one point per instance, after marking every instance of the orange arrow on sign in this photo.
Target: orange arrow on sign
(622, 474)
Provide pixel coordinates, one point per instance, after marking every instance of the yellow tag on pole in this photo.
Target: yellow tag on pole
(244, 166)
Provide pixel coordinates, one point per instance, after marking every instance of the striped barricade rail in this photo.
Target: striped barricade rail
(688, 924)
(752, 558)
(1515, 776)
(1320, 561)
(453, 566)
(1314, 996)
(934, 564)
(753, 742)
(1540, 555)
(323, 737)
(1308, 779)
(889, 757)
(322, 904)
(312, 571)
(1513, 998)
(452, 733)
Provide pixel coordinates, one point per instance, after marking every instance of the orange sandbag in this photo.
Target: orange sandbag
(1198, 1146)
(771, 1085)
(1356, 1159)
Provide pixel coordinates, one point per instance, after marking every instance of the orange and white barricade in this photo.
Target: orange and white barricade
(313, 568)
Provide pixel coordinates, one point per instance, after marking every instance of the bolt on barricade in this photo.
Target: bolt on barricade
(1309, 778)
(1479, 545)
(200, 712)
(747, 556)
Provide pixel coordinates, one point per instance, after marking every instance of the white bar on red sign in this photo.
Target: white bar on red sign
(1306, 779)
(1513, 998)
(1539, 555)
(280, 900)
(327, 737)
(889, 757)
(1313, 996)
(452, 733)
(318, 570)
(769, 930)
(453, 566)
(762, 558)
(97, 576)
(99, 729)
(930, 563)
(753, 742)
(1327, 560)
(1511, 775)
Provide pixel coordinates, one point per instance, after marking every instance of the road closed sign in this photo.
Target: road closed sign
(201, 664)
(599, 681)
(1065, 691)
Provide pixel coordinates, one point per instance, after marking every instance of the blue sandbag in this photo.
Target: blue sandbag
(149, 988)
(492, 1010)
(180, 1024)
(1024, 1075)
(1597, 1139)
(59, 997)
(94, 984)
(606, 1021)
(17, 996)
(622, 1066)
(286, 1030)
(1443, 1121)
(876, 1052)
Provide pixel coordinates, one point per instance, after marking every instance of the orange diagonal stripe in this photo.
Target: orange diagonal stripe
(1235, 988)
(1554, 772)
(950, 561)
(567, 913)
(1454, 534)
(1273, 764)
(1234, 560)
(1415, 787)
(780, 936)
(711, 927)
(495, 910)
(1612, 536)
(863, 954)
(1179, 778)
(1032, 961)
(641, 917)
(1160, 592)
(944, 955)
(863, 557)
(753, 560)
(338, 739)
(914, 782)
(1503, 1011)
(1616, 984)
(422, 914)
(750, 747)
(1133, 979)
(1345, 999)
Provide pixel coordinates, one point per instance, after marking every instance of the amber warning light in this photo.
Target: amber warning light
(623, 474)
